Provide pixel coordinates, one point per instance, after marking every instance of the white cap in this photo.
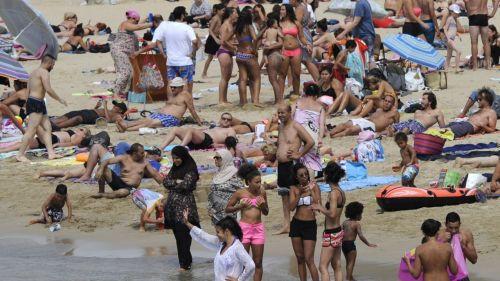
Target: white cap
(454, 8)
(177, 82)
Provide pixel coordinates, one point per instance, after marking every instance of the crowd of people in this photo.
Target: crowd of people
(291, 141)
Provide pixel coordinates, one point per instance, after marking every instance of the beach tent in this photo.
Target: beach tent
(29, 27)
(346, 8)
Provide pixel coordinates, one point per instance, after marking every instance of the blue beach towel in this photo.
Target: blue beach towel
(369, 181)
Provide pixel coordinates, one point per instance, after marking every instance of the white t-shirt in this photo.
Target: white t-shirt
(177, 39)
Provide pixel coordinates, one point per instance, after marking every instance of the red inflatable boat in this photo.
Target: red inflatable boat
(395, 198)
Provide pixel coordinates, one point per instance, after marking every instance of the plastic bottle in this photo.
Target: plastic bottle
(147, 131)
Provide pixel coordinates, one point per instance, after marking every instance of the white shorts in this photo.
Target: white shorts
(364, 124)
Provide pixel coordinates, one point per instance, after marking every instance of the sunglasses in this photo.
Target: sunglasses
(226, 119)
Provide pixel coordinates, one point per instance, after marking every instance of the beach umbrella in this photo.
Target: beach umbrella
(415, 50)
(11, 68)
(29, 27)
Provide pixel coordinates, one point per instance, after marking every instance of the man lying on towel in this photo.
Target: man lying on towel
(483, 121)
(89, 116)
(178, 101)
(376, 122)
(422, 119)
(202, 138)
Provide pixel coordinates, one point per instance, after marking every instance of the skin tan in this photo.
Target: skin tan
(485, 120)
(55, 201)
(408, 157)
(214, 31)
(495, 180)
(110, 115)
(466, 239)
(226, 60)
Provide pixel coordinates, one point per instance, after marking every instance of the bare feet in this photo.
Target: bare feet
(83, 179)
(204, 76)
(282, 231)
(97, 196)
(54, 156)
(22, 158)
(142, 229)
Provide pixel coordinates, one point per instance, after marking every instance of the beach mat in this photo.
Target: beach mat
(369, 181)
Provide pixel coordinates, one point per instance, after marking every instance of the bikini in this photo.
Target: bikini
(224, 51)
(292, 32)
(306, 230)
(333, 237)
(242, 55)
(253, 233)
(328, 92)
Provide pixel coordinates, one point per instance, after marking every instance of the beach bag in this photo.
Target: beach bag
(101, 138)
(414, 80)
(427, 144)
(150, 77)
(99, 48)
(395, 76)
(436, 80)
(377, 72)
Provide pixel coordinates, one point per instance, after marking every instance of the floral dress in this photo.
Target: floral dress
(219, 195)
(180, 197)
(123, 45)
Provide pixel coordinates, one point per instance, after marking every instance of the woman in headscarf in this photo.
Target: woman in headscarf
(224, 184)
(181, 183)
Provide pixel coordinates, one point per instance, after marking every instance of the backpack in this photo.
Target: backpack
(395, 76)
(377, 72)
(101, 138)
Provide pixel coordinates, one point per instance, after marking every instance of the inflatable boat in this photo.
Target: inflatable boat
(395, 197)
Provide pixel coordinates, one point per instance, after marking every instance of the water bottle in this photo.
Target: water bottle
(147, 131)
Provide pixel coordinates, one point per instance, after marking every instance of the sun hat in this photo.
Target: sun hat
(176, 82)
(454, 8)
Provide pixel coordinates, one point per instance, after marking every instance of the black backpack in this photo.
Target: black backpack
(395, 76)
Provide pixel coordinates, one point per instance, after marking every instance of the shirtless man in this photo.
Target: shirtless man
(291, 138)
(414, 25)
(453, 227)
(428, 16)
(202, 138)
(422, 119)
(393, 7)
(133, 167)
(483, 121)
(433, 258)
(478, 24)
(39, 123)
(89, 116)
(178, 101)
(377, 122)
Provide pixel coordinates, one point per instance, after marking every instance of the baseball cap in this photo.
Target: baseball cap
(176, 82)
(454, 8)
(121, 105)
(133, 14)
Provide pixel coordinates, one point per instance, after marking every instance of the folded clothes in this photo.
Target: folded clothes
(369, 181)
(467, 147)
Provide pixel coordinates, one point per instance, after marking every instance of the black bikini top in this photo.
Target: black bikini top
(327, 205)
(328, 92)
(70, 133)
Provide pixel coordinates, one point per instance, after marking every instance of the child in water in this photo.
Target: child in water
(352, 229)
(409, 161)
(52, 208)
(252, 202)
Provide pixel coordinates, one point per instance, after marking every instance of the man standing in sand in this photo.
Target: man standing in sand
(422, 118)
(377, 122)
(202, 138)
(428, 16)
(453, 227)
(39, 123)
(293, 143)
(477, 11)
(433, 258)
(133, 166)
(414, 25)
(178, 101)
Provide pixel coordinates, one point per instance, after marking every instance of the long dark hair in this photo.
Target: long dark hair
(290, 12)
(188, 165)
(78, 30)
(245, 19)
(231, 224)
(333, 172)
(493, 28)
(296, 169)
(247, 172)
(227, 13)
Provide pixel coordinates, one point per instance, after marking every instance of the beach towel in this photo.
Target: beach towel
(453, 156)
(369, 181)
(369, 151)
(355, 65)
(68, 161)
(355, 170)
(467, 147)
(446, 134)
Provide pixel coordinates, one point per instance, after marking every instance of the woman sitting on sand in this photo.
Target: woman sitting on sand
(246, 58)
(181, 183)
(225, 182)
(329, 85)
(65, 28)
(59, 139)
(75, 41)
(379, 88)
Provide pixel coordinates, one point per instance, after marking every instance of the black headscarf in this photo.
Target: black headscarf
(188, 164)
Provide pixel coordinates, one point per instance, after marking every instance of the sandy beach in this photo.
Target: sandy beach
(103, 243)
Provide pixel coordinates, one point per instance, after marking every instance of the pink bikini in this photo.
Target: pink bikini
(253, 233)
(292, 32)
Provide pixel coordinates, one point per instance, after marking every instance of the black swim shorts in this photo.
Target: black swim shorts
(478, 20)
(285, 177)
(412, 28)
(88, 116)
(34, 105)
(117, 182)
(348, 246)
(55, 140)
(205, 144)
(307, 230)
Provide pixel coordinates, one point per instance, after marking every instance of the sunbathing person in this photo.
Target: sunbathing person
(377, 122)
(202, 138)
(483, 121)
(178, 101)
(422, 119)
(5, 111)
(75, 41)
(59, 139)
(370, 103)
(242, 127)
(478, 162)
(65, 28)
(96, 29)
(89, 116)
(345, 100)
(473, 99)
(134, 166)
(16, 100)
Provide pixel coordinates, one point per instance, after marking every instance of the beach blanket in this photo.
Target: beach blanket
(67, 161)
(468, 147)
(369, 181)
(369, 151)
(455, 155)
(63, 151)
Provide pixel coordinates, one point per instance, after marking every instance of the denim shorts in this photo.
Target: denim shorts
(184, 72)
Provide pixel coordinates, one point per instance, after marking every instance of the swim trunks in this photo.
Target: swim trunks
(412, 28)
(254, 234)
(364, 124)
(56, 215)
(205, 144)
(478, 20)
(88, 116)
(306, 230)
(409, 173)
(348, 246)
(117, 183)
(166, 120)
(461, 128)
(34, 105)
(333, 237)
(412, 125)
(185, 72)
(285, 178)
(211, 47)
